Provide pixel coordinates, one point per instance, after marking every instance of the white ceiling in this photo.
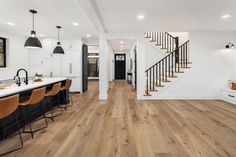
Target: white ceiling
(167, 15)
(126, 46)
(50, 14)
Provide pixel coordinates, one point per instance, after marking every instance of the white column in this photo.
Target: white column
(103, 67)
(141, 75)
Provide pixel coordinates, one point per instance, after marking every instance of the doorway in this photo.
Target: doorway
(120, 66)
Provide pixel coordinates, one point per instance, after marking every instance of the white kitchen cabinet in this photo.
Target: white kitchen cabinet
(229, 95)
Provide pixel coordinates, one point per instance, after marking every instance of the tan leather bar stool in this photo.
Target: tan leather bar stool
(64, 89)
(35, 98)
(52, 93)
(8, 106)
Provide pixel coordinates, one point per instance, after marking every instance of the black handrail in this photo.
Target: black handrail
(167, 55)
(166, 67)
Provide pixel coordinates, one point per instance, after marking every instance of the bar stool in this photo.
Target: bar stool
(35, 98)
(64, 89)
(52, 93)
(8, 106)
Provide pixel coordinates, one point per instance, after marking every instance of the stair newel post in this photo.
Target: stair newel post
(159, 73)
(177, 53)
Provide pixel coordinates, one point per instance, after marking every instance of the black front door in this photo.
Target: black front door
(85, 67)
(120, 64)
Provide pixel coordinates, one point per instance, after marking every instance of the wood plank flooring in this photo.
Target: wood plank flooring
(125, 127)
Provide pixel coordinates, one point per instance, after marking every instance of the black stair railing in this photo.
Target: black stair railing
(163, 39)
(166, 67)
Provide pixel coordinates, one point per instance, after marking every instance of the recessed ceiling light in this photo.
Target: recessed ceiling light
(75, 23)
(88, 35)
(226, 16)
(140, 17)
(121, 42)
(10, 23)
(41, 35)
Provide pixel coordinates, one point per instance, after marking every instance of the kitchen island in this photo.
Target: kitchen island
(25, 91)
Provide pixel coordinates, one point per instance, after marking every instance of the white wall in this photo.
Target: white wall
(153, 54)
(183, 36)
(17, 55)
(212, 67)
(42, 61)
(132, 55)
(103, 67)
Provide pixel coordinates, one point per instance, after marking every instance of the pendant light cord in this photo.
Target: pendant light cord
(58, 38)
(33, 21)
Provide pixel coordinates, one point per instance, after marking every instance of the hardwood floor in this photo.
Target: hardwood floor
(125, 127)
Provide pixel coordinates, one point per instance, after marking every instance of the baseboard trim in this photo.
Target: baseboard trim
(180, 97)
(103, 96)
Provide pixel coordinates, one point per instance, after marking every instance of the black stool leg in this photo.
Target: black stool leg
(19, 133)
(29, 117)
(44, 116)
(64, 95)
(50, 108)
(59, 103)
(18, 130)
(71, 99)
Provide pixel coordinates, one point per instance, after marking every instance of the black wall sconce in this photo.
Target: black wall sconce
(229, 46)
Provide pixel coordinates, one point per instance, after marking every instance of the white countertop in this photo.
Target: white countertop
(13, 89)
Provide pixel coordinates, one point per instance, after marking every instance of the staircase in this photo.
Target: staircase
(171, 66)
(163, 40)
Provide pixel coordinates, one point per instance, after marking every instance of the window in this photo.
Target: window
(2, 52)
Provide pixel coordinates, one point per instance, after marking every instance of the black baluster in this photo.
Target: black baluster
(169, 66)
(147, 82)
(150, 79)
(166, 68)
(153, 83)
(186, 49)
(172, 64)
(156, 75)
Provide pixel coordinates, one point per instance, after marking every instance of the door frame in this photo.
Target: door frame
(115, 65)
(84, 72)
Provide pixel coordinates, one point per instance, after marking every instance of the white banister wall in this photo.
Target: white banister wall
(141, 76)
(103, 66)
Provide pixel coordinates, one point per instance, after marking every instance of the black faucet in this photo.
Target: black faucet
(26, 76)
(17, 78)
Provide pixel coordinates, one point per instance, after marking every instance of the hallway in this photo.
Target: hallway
(124, 127)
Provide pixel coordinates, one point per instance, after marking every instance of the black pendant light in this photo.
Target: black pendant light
(58, 49)
(33, 42)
